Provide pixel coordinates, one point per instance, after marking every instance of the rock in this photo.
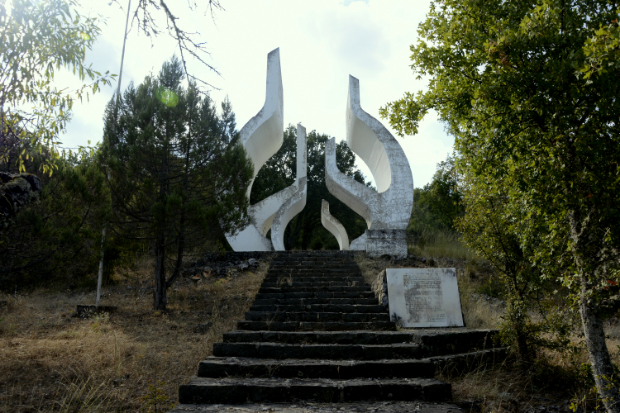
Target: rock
(16, 191)
(203, 328)
(120, 380)
(243, 266)
(253, 262)
(86, 311)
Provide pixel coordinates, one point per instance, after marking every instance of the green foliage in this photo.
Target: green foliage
(431, 230)
(507, 79)
(436, 206)
(602, 50)
(36, 39)
(156, 400)
(55, 239)
(305, 231)
(175, 183)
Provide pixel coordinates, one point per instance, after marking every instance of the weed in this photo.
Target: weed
(438, 244)
(156, 399)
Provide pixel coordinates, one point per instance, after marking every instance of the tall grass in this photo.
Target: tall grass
(438, 243)
(132, 360)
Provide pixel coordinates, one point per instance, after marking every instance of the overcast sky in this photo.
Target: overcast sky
(321, 42)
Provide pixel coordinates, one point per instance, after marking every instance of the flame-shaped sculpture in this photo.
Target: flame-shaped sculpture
(387, 211)
(262, 137)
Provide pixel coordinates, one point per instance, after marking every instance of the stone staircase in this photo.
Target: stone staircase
(316, 334)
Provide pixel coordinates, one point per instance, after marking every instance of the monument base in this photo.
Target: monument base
(386, 242)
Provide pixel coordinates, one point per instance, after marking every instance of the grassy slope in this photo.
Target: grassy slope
(127, 361)
(135, 359)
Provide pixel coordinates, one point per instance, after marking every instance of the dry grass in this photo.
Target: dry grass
(555, 381)
(135, 359)
(440, 244)
(479, 311)
(132, 360)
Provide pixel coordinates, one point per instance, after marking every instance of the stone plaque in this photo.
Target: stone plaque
(424, 297)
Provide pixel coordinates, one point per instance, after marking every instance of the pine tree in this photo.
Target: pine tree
(229, 123)
(173, 183)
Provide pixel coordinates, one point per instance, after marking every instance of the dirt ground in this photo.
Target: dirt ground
(134, 359)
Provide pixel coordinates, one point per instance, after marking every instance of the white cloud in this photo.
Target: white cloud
(321, 43)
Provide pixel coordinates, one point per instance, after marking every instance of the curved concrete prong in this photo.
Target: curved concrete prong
(262, 137)
(334, 226)
(355, 195)
(296, 203)
(387, 212)
(385, 158)
(293, 206)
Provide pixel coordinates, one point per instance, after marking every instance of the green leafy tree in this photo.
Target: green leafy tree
(508, 80)
(54, 239)
(36, 39)
(174, 183)
(305, 231)
(492, 227)
(437, 204)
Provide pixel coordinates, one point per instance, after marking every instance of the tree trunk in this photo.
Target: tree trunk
(159, 295)
(602, 367)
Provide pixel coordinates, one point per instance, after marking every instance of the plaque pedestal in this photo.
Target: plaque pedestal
(386, 242)
(424, 297)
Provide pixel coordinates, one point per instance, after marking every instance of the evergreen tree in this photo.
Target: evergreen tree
(173, 182)
(229, 123)
(305, 231)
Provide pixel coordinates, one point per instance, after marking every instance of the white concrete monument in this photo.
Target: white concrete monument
(424, 297)
(334, 226)
(297, 201)
(262, 137)
(387, 210)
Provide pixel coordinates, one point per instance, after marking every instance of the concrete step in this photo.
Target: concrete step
(310, 270)
(316, 316)
(331, 308)
(358, 279)
(325, 259)
(317, 264)
(354, 407)
(438, 341)
(317, 267)
(314, 326)
(331, 294)
(329, 369)
(320, 337)
(299, 282)
(308, 289)
(314, 275)
(312, 301)
(319, 351)
(454, 343)
(328, 256)
(203, 390)
(465, 362)
(312, 260)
